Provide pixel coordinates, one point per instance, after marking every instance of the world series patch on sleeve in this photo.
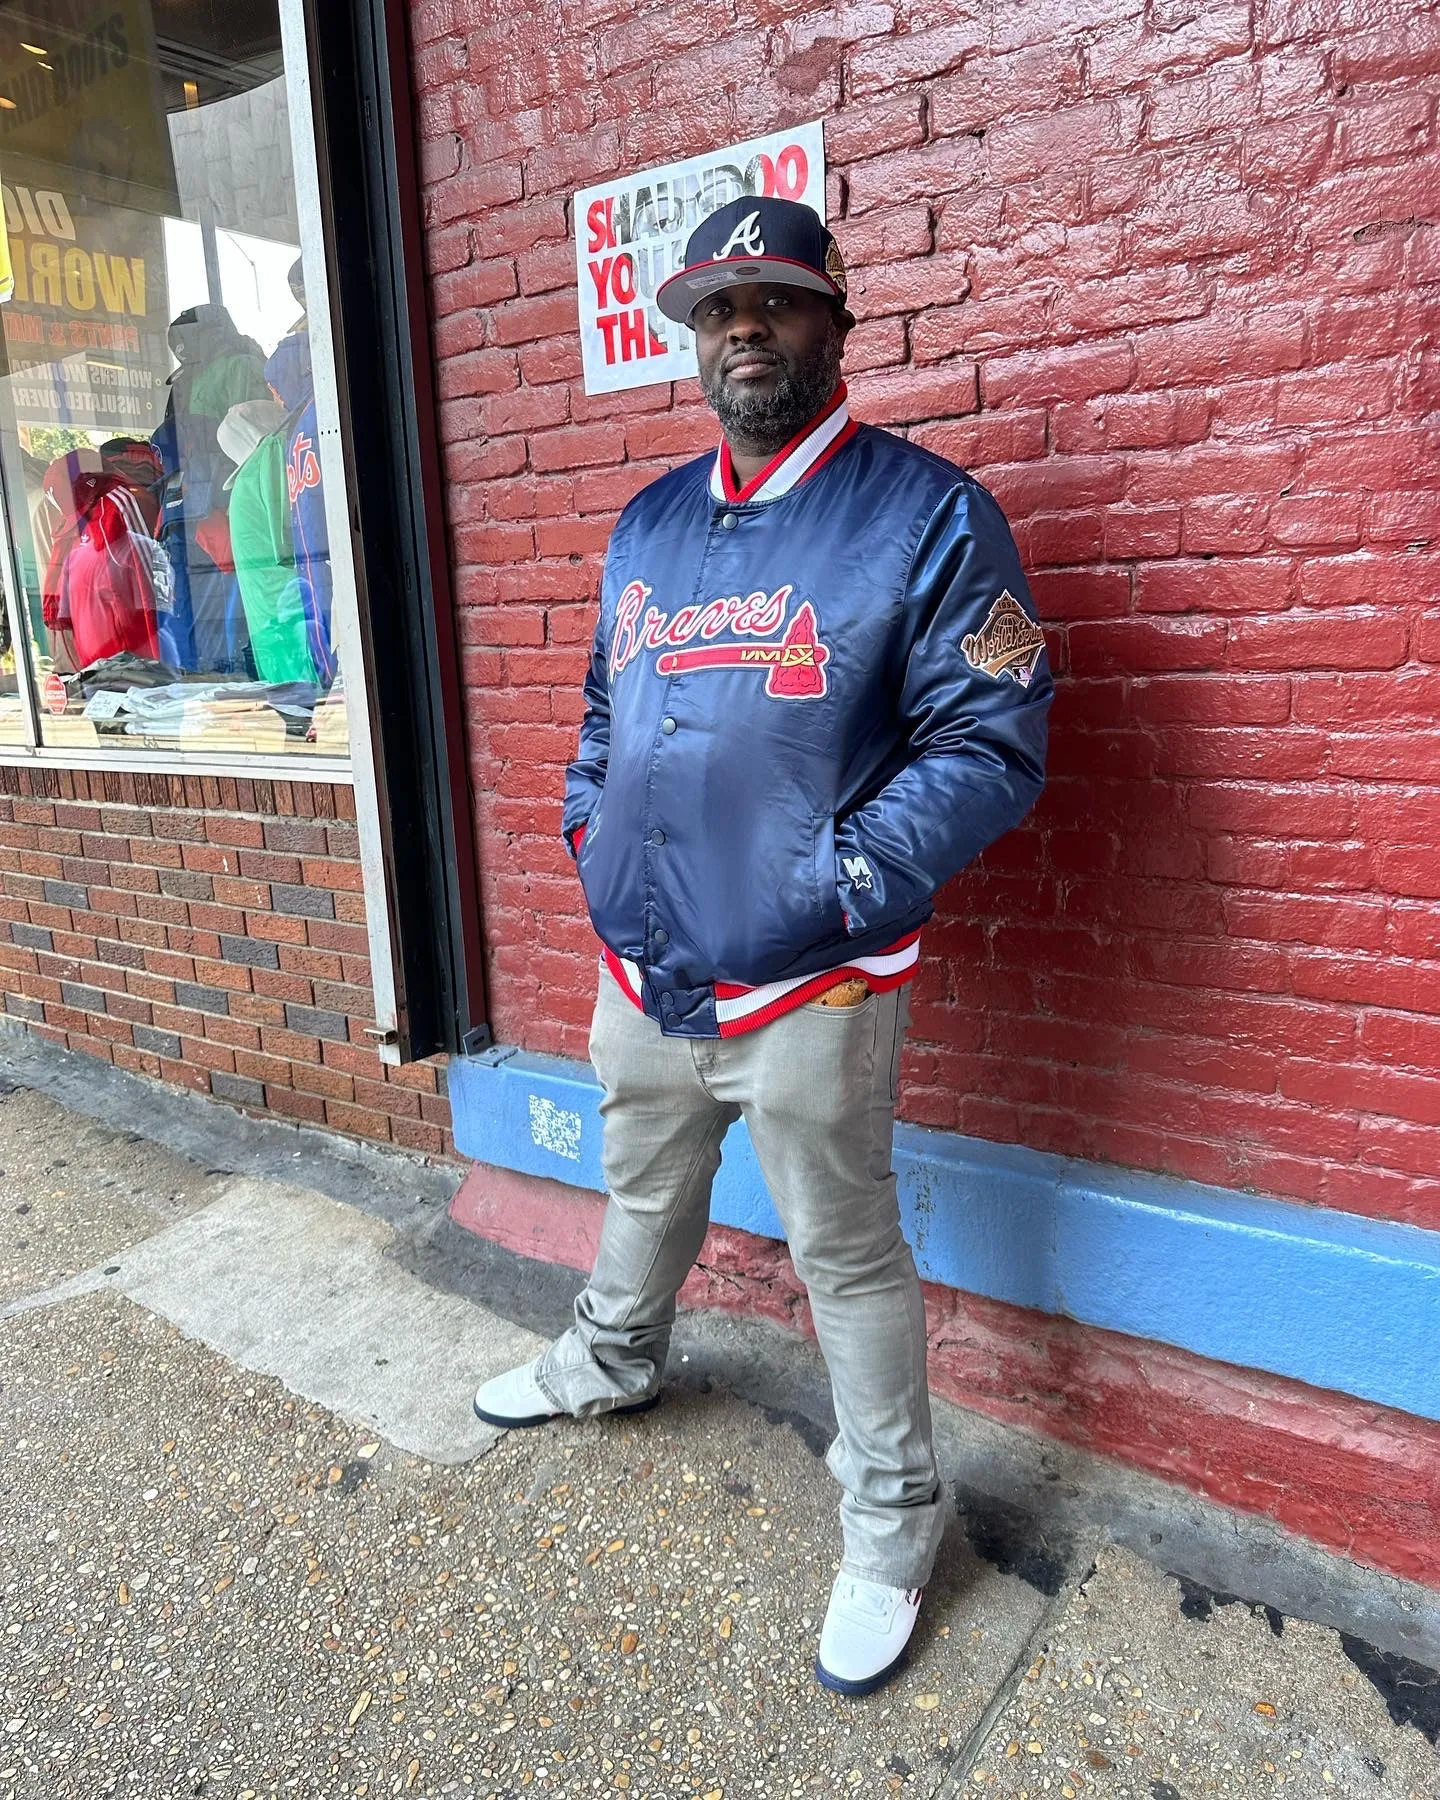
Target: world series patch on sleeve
(1008, 643)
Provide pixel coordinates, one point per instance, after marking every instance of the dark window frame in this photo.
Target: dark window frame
(370, 190)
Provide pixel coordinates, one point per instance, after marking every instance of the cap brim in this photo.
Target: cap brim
(678, 297)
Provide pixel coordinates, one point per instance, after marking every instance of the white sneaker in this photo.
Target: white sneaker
(515, 1399)
(863, 1639)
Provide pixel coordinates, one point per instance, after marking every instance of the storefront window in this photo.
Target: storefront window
(171, 582)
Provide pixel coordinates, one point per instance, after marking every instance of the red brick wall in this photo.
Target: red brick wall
(209, 932)
(1152, 269)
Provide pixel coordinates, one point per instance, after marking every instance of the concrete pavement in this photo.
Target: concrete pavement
(252, 1542)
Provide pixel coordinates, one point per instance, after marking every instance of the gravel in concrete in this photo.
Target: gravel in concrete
(1150, 1691)
(74, 1192)
(219, 1578)
(213, 1587)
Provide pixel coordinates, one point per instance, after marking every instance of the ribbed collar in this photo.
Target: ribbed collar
(811, 447)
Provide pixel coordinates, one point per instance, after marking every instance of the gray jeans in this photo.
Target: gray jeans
(816, 1089)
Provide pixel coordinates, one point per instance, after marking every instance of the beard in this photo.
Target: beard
(762, 423)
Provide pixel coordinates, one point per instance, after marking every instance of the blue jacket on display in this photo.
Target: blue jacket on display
(289, 374)
(810, 702)
(203, 627)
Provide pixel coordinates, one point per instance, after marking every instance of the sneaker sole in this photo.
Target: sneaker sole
(857, 1690)
(505, 1424)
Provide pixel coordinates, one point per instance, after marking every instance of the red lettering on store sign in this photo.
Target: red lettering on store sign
(614, 280)
(601, 221)
(786, 177)
(628, 337)
(634, 336)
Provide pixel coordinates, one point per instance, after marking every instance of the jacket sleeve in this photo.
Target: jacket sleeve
(975, 691)
(585, 777)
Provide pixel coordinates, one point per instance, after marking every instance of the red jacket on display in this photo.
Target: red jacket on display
(106, 595)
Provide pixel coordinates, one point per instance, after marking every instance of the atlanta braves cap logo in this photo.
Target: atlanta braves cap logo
(755, 238)
(744, 240)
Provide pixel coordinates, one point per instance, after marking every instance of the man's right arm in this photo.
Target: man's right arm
(585, 777)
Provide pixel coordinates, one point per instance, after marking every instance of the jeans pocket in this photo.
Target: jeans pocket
(861, 1010)
(902, 1021)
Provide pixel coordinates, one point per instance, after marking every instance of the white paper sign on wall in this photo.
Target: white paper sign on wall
(630, 234)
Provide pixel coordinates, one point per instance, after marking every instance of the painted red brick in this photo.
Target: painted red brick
(1157, 281)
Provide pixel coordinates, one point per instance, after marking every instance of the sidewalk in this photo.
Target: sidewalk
(252, 1542)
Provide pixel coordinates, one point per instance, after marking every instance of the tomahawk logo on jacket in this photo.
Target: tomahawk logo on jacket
(794, 668)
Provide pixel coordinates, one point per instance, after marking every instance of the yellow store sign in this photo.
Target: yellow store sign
(85, 325)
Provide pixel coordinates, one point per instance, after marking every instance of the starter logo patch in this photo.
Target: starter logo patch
(1008, 643)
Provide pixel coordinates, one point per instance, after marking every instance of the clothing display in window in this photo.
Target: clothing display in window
(98, 593)
(57, 526)
(218, 368)
(159, 443)
(240, 714)
(289, 374)
(253, 436)
(106, 594)
(139, 465)
(121, 672)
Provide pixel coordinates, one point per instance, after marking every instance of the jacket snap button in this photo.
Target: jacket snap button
(657, 838)
(668, 727)
(660, 939)
(728, 521)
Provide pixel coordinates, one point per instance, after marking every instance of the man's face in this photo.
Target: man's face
(769, 359)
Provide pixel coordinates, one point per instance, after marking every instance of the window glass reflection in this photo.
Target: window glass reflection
(157, 412)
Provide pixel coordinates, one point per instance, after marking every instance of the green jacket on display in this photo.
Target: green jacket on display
(265, 563)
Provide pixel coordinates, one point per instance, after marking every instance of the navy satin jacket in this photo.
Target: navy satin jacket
(804, 714)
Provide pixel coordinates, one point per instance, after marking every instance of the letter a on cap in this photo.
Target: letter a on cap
(744, 239)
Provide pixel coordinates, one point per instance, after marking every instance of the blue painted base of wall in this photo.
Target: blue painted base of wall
(1325, 1297)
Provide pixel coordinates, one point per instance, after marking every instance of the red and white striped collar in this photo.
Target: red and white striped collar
(807, 451)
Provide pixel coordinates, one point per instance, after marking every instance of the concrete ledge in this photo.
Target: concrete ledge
(1327, 1298)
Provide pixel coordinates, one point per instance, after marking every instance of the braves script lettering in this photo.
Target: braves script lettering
(795, 667)
(752, 615)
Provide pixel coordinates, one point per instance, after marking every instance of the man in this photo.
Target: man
(817, 691)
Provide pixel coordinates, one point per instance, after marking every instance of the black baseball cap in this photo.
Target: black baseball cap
(754, 239)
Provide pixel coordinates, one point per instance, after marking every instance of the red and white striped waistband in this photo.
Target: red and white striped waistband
(740, 1009)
